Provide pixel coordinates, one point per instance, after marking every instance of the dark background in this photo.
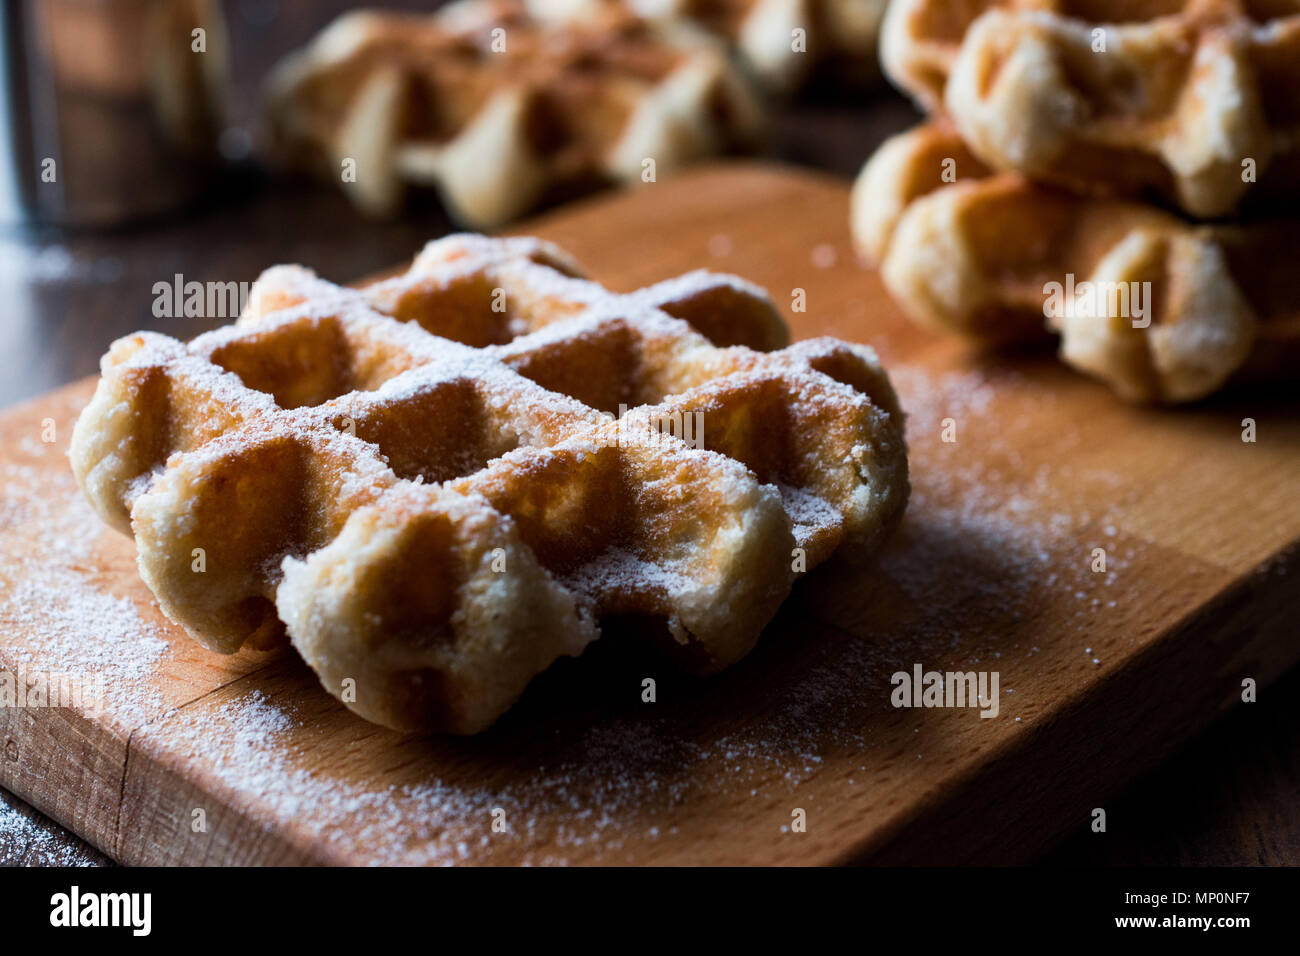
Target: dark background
(1231, 798)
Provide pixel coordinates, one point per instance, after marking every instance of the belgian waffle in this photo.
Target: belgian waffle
(437, 522)
(498, 110)
(783, 43)
(1194, 102)
(976, 256)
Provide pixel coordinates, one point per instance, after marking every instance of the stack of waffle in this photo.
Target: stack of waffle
(1110, 173)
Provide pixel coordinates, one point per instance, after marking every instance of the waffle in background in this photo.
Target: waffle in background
(784, 44)
(1164, 99)
(1041, 171)
(500, 111)
(974, 255)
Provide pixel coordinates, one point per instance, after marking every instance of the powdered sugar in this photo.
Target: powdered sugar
(618, 570)
(614, 781)
(807, 511)
(57, 616)
(37, 842)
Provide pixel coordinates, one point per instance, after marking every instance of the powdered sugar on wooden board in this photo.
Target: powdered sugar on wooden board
(55, 613)
(987, 550)
(618, 780)
(38, 842)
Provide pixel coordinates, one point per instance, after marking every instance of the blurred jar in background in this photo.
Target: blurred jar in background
(112, 108)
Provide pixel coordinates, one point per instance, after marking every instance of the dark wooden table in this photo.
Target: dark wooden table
(1233, 798)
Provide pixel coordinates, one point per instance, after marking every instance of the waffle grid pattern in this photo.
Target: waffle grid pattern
(438, 521)
(500, 110)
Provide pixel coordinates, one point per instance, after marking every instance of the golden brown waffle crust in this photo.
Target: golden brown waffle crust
(1196, 105)
(498, 110)
(975, 256)
(433, 523)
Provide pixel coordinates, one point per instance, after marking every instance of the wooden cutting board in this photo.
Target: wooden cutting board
(203, 759)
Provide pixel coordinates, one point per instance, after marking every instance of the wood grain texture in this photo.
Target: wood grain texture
(1100, 674)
